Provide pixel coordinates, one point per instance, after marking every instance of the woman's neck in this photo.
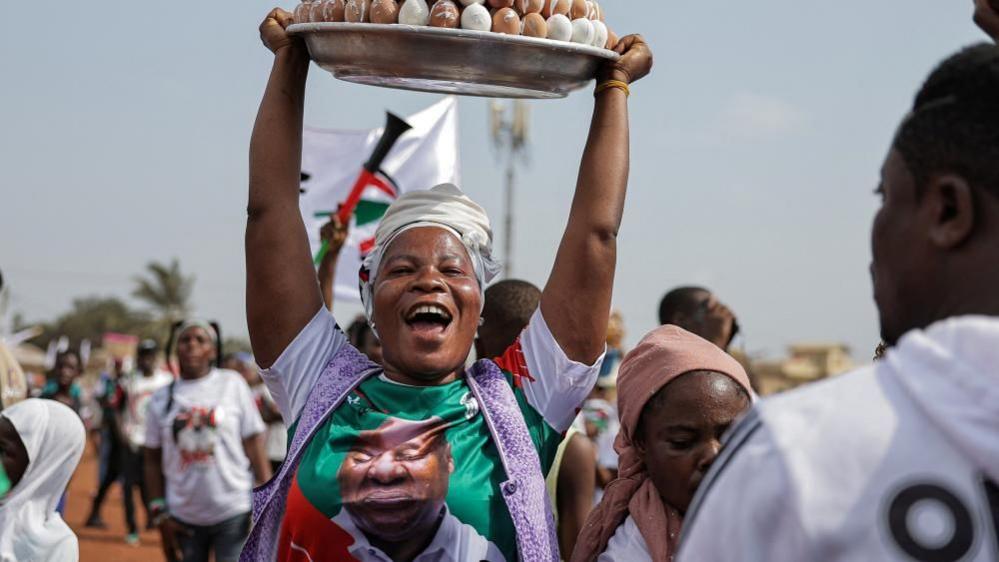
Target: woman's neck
(195, 374)
(396, 375)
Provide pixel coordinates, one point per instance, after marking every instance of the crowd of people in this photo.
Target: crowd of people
(386, 442)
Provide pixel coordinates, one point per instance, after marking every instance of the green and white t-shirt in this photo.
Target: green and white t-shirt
(392, 454)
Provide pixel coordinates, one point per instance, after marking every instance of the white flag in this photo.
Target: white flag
(425, 156)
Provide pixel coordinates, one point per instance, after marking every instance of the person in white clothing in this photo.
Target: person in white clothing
(204, 435)
(41, 442)
(898, 461)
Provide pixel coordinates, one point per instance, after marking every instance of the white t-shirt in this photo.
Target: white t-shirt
(626, 545)
(899, 461)
(207, 473)
(138, 390)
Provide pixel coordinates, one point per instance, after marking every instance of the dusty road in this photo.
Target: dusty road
(107, 545)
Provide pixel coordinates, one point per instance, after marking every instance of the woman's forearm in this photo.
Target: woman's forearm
(577, 298)
(281, 290)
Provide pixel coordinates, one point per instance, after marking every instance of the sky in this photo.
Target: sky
(756, 144)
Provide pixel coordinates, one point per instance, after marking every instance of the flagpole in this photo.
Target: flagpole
(508, 223)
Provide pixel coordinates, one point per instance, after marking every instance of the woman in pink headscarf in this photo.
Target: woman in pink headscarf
(677, 395)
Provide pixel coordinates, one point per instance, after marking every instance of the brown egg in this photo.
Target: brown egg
(506, 21)
(301, 13)
(579, 9)
(611, 40)
(499, 4)
(553, 7)
(357, 11)
(445, 13)
(333, 10)
(525, 7)
(534, 26)
(384, 11)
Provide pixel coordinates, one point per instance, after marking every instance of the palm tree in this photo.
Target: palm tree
(166, 290)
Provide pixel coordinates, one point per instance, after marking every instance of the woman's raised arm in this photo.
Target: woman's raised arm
(282, 293)
(576, 301)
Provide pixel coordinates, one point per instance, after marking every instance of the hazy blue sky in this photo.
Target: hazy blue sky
(755, 146)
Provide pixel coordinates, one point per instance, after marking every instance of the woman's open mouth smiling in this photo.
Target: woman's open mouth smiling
(428, 319)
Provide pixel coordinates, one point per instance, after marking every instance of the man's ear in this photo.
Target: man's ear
(950, 204)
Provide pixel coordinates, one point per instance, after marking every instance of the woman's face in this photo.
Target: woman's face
(426, 304)
(195, 351)
(13, 454)
(680, 431)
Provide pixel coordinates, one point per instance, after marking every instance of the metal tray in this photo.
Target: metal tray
(455, 61)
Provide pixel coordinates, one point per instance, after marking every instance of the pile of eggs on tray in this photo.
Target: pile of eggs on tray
(576, 21)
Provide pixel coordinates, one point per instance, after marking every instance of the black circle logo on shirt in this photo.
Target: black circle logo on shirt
(961, 529)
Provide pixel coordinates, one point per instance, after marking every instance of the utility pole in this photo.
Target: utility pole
(510, 139)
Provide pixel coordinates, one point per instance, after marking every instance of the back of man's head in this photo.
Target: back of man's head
(681, 303)
(935, 240)
(508, 308)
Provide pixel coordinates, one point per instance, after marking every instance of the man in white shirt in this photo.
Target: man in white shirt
(898, 461)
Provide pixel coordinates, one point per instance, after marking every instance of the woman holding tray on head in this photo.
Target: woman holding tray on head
(420, 458)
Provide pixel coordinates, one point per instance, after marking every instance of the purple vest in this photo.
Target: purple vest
(524, 492)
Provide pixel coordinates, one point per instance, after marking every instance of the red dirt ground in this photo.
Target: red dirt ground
(106, 545)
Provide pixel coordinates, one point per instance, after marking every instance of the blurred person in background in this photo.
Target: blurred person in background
(111, 442)
(136, 390)
(41, 443)
(507, 311)
(333, 233)
(61, 384)
(276, 442)
(204, 452)
(699, 311)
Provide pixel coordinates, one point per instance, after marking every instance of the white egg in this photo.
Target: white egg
(470, 2)
(414, 12)
(559, 28)
(476, 17)
(582, 31)
(599, 34)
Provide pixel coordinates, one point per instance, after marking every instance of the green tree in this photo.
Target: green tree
(91, 317)
(166, 290)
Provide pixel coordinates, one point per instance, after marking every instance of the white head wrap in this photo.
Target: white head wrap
(197, 323)
(446, 207)
(30, 527)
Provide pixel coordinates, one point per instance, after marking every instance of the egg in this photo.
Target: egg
(301, 13)
(476, 18)
(525, 7)
(599, 34)
(534, 25)
(559, 28)
(316, 11)
(384, 11)
(506, 21)
(444, 13)
(357, 11)
(611, 40)
(333, 10)
(414, 12)
(579, 9)
(582, 31)
(470, 2)
(499, 4)
(553, 7)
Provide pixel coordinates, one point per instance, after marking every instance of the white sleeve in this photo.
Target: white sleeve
(555, 386)
(154, 408)
(752, 503)
(291, 378)
(250, 422)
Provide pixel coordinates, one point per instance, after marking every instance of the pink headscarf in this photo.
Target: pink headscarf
(663, 355)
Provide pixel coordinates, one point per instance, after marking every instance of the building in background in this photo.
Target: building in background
(806, 363)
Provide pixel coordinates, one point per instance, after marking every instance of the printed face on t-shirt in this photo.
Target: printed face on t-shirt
(394, 479)
(195, 430)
